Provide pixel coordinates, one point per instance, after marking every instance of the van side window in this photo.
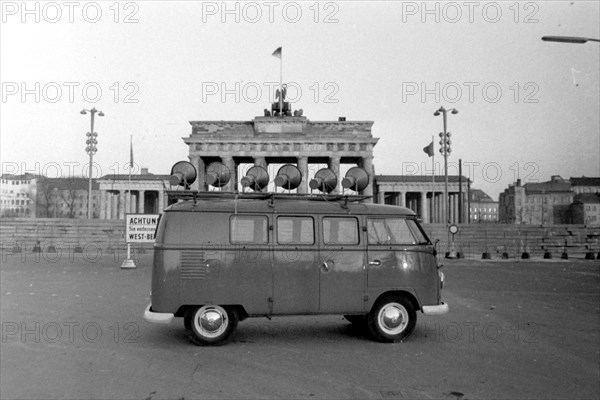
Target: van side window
(338, 230)
(195, 228)
(246, 229)
(295, 230)
(389, 231)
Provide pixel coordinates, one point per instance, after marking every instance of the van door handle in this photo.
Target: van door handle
(325, 266)
(375, 263)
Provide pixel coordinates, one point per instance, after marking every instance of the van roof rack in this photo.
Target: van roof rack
(196, 195)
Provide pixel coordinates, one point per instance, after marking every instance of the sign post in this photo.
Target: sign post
(139, 228)
(453, 229)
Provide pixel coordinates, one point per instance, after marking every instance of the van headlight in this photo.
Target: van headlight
(441, 274)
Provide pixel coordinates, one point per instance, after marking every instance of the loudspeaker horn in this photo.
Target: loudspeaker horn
(257, 178)
(217, 174)
(325, 180)
(356, 179)
(183, 173)
(288, 177)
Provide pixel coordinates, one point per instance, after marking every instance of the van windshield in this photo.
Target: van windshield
(417, 232)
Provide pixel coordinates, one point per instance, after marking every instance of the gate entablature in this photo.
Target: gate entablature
(288, 139)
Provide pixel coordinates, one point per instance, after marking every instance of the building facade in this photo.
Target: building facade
(144, 193)
(586, 209)
(65, 197)
(585, 185)
(425, 196)
(537, 203)
(18, 195)
(482, 208)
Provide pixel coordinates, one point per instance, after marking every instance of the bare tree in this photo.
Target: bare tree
(47, 199)
(68, 195)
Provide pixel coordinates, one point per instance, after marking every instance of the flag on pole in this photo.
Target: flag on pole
(429, 149)
(277, 53)
(130, 152)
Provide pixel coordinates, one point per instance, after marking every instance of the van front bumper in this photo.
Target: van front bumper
(157, 318)
(439, 309)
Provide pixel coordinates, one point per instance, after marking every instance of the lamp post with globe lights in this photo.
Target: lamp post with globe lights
(91, 149)
(445, 149)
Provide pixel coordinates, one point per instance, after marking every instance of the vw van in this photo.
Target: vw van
(220, 259)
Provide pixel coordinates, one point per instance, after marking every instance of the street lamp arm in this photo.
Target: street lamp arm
(568, 39)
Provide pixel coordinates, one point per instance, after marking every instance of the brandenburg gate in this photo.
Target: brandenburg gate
(281, 138)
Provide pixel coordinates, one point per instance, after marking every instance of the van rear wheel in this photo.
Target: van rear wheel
(187, 318)
(391, 319)
(212, 324)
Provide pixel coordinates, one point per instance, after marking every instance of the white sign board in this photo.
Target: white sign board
(140, 228)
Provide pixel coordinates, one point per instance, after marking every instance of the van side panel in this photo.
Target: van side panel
(342, 286)
(403, 268)
(165, 280)
(212, 271)
(245, 279)
(165, 270)
(295, 279)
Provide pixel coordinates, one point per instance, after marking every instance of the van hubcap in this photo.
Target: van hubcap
(393, 318)
(211, 321)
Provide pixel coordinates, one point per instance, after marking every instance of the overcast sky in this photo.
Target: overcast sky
(527, 108)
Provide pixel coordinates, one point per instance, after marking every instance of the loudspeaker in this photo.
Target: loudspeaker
(356, 179)
(217, 174)
(325, 180)
(288, 177)
(183, 173)
(257, 178)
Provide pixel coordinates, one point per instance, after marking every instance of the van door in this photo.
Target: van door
(399, 257)
(295, 266)
(224, 259)
(342, 269)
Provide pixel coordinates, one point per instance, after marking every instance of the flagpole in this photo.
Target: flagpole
(433, 210)
(129, 192)
(129, 262)
(281, 82)
(130, 161)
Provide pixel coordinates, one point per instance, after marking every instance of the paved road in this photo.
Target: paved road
(73, 329)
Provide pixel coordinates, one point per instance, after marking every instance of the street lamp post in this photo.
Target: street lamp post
(91, 149)
(55, 198)
(445, 149)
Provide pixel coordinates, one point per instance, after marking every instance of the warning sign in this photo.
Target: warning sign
(140, 228)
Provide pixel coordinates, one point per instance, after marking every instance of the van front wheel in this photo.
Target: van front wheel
(392, 319)
(212, 325)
